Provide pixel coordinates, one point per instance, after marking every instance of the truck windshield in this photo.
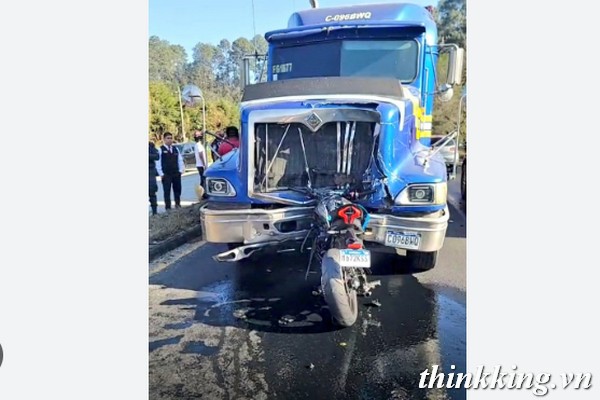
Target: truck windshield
(369, 58)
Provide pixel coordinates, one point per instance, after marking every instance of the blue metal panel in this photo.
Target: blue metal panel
(362, 14)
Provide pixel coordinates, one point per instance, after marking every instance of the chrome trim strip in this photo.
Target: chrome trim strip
(339, 144)
(266, 156)
(350, 146)
(305, 159)
(345, 154)
(335, 98)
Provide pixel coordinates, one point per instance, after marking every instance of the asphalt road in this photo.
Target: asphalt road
(236, 331)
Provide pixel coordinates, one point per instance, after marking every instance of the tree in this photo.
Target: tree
(164, 113)
(452, 28)
(166, 62)
(221, 63)
(239, 48)
(451, 17)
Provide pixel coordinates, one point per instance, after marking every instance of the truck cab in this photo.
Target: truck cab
(348, 103)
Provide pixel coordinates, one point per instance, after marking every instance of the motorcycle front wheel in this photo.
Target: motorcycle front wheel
(340, 298)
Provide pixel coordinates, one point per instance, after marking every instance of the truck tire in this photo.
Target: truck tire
(342, 301)
(420, 261)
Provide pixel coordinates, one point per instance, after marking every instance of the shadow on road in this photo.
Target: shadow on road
(272, 295)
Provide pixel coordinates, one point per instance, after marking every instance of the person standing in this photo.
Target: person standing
(200, 155)
(152, 159)
(170, 166)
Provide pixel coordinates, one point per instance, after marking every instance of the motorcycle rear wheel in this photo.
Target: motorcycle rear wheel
(342, 300)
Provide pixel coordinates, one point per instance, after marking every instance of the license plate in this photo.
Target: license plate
(403, 240)
(355, 258)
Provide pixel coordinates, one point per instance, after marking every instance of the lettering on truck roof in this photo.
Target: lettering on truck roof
(348, 17)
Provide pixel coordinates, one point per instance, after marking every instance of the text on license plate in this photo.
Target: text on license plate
(402, 240)
(355, 258)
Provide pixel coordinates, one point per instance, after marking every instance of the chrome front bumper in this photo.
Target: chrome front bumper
(253, 226)
(250, 226)
(431, 228)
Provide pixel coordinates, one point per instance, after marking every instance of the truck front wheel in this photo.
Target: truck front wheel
(420, 261)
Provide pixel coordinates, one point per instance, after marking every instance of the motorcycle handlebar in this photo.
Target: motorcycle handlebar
(356, 195)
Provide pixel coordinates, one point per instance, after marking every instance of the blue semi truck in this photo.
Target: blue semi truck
(348, 103)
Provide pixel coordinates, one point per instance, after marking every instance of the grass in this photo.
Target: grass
(174, 221)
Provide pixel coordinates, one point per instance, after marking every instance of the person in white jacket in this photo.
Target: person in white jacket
(200, 154)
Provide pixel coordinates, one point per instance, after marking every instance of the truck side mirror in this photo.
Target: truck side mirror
(456, 57)
(452, 67)
(455, 66)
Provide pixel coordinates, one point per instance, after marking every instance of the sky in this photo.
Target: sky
(187, 22)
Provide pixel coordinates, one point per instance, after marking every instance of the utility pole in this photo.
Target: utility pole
(181, 111)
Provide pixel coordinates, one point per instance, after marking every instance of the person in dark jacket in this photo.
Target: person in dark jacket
(170, 167)
(152, 159)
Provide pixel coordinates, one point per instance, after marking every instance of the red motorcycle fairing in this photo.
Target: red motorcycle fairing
(349, 213)
(345, 216)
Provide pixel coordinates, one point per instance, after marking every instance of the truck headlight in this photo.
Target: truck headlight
(421, 194)
(219, 187)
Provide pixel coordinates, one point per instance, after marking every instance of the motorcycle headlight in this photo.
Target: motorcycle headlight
(423, 194)
(219, 187)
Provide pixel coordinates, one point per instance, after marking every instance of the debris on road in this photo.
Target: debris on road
(374, 303)
(399, 394)
(371, 322)
(286, 319)
(240, 313)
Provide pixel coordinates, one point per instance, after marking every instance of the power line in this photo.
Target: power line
(253, 24)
